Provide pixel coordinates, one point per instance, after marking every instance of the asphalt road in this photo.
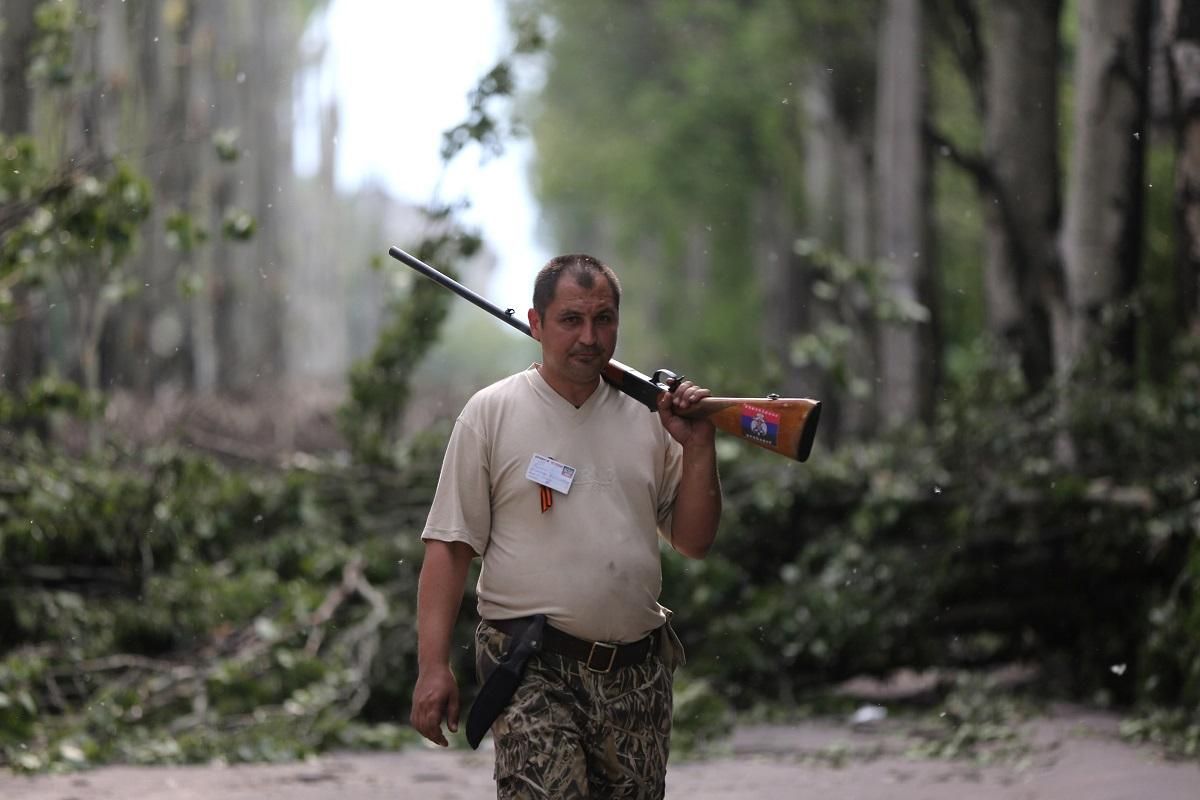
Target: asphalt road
(1070, 753)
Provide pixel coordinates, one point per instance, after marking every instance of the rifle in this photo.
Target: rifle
(782, 425)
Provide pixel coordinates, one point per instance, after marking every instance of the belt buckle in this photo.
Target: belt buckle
(612, 657)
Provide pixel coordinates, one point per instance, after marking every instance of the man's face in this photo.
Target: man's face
(578, 332)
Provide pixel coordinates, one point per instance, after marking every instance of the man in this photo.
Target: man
(563, 484)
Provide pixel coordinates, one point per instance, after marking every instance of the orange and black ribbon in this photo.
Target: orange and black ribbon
(547, 498)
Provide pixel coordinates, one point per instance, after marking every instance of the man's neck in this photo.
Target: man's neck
(573, 393)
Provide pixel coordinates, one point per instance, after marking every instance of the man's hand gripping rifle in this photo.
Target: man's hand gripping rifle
(782, 425)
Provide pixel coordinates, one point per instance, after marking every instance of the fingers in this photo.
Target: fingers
(432, 705)
(664, 403)
(687, 394)
(429, 725)
(452, 713)
(673, 409)
(684, 396)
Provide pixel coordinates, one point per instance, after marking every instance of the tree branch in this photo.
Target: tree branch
(974, 165)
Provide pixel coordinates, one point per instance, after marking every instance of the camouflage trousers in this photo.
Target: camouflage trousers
(572, 733)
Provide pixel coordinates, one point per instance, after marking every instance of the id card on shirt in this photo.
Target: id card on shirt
(553, 474)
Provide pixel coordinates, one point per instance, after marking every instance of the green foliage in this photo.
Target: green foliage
(158, 607)
(668, 132)
(379, 386)
(826, 569)
(77, 221)
(854, 295)
(20, 163)
(225, 143)
(481, 125)
(70, 232)
(1172, 654)
(1175, 731)
(701, 717)
(1156, 298)
(978, 723)
(1148, 431)
(44, 400)
(966, 547)
(52, 52)
(238, 225)
(183, 234)
(18, 708)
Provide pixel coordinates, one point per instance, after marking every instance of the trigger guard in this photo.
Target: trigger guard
(667, 379)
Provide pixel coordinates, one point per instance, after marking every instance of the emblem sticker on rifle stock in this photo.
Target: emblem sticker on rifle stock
(760, 425)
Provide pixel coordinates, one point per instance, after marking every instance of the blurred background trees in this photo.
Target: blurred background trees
(243, 281)
(971, 229)
(702, 141)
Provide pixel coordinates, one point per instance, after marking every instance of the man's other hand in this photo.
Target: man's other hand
(435, 700)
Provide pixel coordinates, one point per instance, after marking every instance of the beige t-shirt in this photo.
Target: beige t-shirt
(591, 562)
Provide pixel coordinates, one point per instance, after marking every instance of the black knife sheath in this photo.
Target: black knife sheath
(499, 686)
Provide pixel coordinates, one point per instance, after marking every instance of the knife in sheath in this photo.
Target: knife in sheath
(498, 688)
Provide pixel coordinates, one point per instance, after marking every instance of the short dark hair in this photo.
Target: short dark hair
(582, 268)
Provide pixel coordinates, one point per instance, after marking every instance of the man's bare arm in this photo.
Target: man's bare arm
(697, 505)
(439, 595)
(698, 500)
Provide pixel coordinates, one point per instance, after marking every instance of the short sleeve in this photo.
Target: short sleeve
(462, 508)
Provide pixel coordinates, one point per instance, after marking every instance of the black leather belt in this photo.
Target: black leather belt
(596, 656)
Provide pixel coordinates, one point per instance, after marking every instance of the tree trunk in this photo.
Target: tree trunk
(1102, 230)
(1020, 185)
(16, 35)
(225, 274)
(89, 140)
(161, 320)
(151, 83)
(125, 348)
(838, 214)
(908, 366)
(786, 301)
(858, 415)
(20, 342)
(318, 354)
(209, 54)
(269, 64)
(1183, 25)
(253, 96)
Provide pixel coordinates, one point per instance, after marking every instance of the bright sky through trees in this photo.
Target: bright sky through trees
(400, 72)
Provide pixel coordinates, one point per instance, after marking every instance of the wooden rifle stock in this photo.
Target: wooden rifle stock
(795, 427)
(782, 425)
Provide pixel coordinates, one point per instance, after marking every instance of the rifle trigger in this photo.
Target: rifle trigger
(510, 311)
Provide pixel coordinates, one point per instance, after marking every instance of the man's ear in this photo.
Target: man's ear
(535, 325)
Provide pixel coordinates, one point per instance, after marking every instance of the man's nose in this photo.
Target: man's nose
(587, 332)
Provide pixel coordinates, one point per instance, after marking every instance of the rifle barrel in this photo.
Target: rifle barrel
(456, 287)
